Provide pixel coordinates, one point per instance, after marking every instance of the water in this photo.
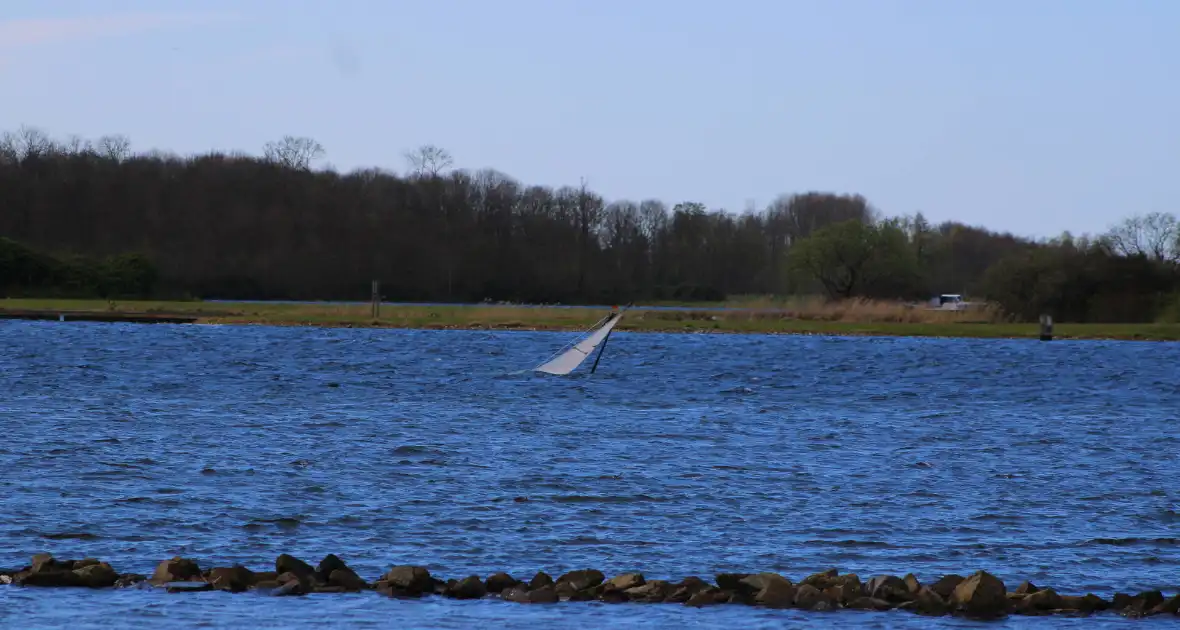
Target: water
(684, 455)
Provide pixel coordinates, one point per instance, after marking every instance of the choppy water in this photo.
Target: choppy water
(684, 455)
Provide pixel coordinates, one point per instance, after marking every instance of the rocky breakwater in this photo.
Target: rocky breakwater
(980, 595)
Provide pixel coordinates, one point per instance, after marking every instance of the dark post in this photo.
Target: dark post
(375, 300)
(1046, 328)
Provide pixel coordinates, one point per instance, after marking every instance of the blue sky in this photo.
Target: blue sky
(1032, 116)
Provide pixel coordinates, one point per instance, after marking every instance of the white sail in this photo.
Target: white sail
(569, 360)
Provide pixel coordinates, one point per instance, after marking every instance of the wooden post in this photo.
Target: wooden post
(1046, 328)
(375, 300)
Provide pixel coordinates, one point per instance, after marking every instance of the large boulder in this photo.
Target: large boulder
(809, 597)
(982, 595)
(99, 575)
(234, 579)
(176, 570)
(889, 588)
(470, 587)
(408, 580)
(497, 582)
(945, 586)
(651, 592)
(581, 579)
(347, 579)
(290, 564)
(623, 582)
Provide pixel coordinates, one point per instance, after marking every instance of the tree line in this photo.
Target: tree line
(280, 226)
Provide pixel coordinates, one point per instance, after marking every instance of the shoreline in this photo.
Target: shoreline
(978, 595)
(737, 320)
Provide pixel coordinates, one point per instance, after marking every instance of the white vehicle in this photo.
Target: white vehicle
(949, 302)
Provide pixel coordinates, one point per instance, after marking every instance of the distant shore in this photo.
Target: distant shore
(707, 319)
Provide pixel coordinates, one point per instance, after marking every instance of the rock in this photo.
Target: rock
(290, 564)
(650, 592)
(128, 580)
(47, 576)
(497, 582)
(541, 579)
(982, 595)
(778, 593)
(809, 597)
(614, 597)
(1143, 603)
(1121, 601)
(741, 597)
(330, 563)
(44, 562)
(844, 593)
(730, 581)
(1086, 604)
(544, 595)
(234, 579)
(912, 584)
(582, 579)
(564, 590)
(96, 576)
(927, 602)
(329, 589)
(945, 586)
(889, 588)
(347, 579)
(1026, 588)
(1170, 606)
(758, 581)
(868, 603)
(703, 598)
(1150, 599)
(687, 588)
(293, 586)
(186, 586)
(822, 580)
(624, 582)
(176, 570)
(85, 562)
(1040, 601)
(470, 587)
(409, 580)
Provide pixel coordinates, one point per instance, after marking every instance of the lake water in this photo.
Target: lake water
(683, 455)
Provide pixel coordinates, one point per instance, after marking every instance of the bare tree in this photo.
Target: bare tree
(429, 160)
(31, 142)
(115, 147)
(1155, 235)
(9, 148)
(76, 145)
(294, 152)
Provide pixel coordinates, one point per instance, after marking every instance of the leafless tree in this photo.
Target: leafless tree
(1155, 235)
(294, 152)
(76, 145)
(114, 147)
(29, 142)
(429, 160)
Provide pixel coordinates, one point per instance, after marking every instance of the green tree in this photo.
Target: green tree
(853, 258)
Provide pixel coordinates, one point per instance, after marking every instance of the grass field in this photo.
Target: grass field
(798, 316)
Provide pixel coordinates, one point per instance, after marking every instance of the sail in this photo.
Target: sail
(567, 361)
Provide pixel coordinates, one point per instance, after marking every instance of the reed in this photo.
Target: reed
(802, 315)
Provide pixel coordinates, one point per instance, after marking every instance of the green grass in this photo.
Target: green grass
(851, 321)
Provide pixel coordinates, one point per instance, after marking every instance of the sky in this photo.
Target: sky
(1027, 116)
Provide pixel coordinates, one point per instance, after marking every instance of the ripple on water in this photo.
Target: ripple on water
(683, 455)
